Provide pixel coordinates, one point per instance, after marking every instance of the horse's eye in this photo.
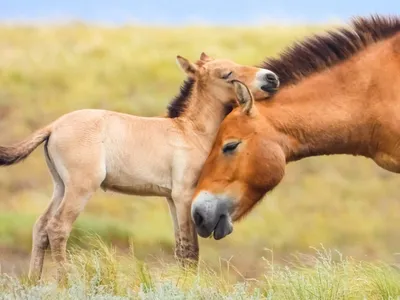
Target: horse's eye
(230, 147)
(226, 76)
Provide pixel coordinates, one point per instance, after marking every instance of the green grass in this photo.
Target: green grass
(343, 202)
(103, 274)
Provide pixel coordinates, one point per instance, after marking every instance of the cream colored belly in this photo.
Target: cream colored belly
(138, 174)
(138, 189)
(143, 181)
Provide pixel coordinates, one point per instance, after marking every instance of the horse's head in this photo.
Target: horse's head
(245, 162)
(216, 76)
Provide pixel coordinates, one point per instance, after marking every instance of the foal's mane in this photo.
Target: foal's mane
(323, 51)
(179, 103)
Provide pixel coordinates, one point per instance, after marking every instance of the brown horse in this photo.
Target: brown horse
(340, 94)
(89, 149)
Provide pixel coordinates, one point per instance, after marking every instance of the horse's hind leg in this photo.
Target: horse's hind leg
(40, 240)
(60, 225)
(81, 179)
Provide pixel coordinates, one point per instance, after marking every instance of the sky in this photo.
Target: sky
(181, 12)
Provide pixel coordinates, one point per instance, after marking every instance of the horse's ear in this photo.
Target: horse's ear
(187, 67)
(244, 97)
(205, 57)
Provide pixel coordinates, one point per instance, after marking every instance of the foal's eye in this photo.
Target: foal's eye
(227, 75)
(230, 147)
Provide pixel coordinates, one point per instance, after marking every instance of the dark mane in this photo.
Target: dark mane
(177, 106)
(313, 54)
(322, 51)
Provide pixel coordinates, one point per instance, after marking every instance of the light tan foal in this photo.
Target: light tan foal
(88, 149)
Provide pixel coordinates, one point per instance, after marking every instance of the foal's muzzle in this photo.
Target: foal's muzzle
(212, 214)
(268, 81)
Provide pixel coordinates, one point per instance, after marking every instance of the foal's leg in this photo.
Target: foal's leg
(82, 170)
(172, 210)
(189, 247)
(40, 240)
(60, 225)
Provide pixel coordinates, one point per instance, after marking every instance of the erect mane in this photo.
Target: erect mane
(179, 103)
(323, 51)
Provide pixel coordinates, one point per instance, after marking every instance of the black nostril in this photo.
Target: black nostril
(271, 77)
(198, 219)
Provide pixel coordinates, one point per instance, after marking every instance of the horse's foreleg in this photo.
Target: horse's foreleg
(172, 210)
(189, 247)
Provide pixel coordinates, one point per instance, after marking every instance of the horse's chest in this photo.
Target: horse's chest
(187, 167)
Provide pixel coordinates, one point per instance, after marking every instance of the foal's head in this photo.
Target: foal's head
(245, 162)
(216, 76)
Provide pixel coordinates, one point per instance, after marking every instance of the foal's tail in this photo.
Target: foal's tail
(13, 154)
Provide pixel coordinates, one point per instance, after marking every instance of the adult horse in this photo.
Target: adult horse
(89, 149)
(340, 94)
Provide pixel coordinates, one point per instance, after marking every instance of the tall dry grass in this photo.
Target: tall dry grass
(102, 274)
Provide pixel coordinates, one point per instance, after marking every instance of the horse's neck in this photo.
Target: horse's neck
(202, 117)
(321, 117)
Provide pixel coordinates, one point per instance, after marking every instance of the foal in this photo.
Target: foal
(88, 149)
(341, 95)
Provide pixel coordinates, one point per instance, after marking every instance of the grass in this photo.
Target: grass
(346, 203)
(103, 274)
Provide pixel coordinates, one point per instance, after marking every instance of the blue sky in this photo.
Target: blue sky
(177, 12)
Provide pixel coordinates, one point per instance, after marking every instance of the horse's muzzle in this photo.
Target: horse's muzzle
(271, 83)
(212, 214)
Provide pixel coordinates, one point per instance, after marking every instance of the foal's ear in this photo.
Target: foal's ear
(205, 57)
(244, 97)
(187, 67)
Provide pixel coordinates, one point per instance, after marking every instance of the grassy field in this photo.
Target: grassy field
(345, 203)
(102, 274)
